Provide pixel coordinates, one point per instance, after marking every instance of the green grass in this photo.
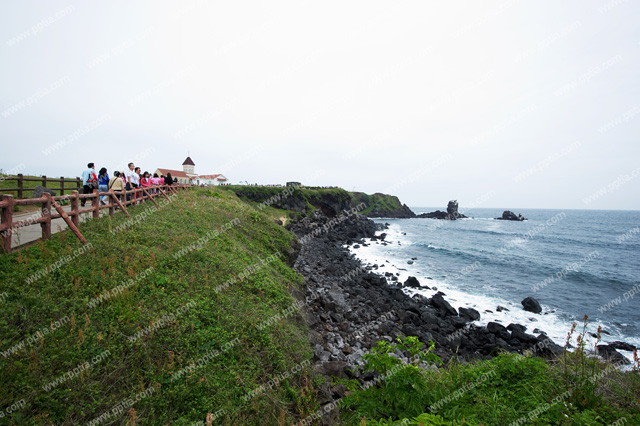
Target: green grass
(317, 198)
(28, 189)
(380, 202)
(28, 186)
(508, 389)
(214, 319)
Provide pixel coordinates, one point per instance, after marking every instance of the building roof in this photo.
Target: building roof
(188, 162)
(174, 173)
(219, 176)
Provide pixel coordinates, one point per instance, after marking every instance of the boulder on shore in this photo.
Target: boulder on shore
(469, 314)
(509, 215)
(451, 213)
(531, 305)
(438, 302)
(39, 190)
(610, 354)
(412, 282)
(624, 346)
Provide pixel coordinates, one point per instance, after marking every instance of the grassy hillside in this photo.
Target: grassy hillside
(186, 312)
(382, 203)
(376, 205)
(330, 200)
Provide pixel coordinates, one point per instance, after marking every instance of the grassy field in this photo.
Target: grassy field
(28, 186)
(161, 321)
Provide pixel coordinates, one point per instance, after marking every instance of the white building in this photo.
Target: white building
(211, 180)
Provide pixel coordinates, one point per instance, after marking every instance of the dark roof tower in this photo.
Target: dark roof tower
(188, 162)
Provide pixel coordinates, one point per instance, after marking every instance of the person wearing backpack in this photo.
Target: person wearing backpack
(103, 183)
(89, 181)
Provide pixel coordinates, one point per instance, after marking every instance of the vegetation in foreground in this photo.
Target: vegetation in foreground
(510, 389)
(161, 321)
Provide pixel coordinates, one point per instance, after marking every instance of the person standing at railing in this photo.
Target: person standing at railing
(168, 180)
(145, 182)
(155, 181)
(103, 183)
(89, 181)
(129, 179)
(117, 184)
(136, 173)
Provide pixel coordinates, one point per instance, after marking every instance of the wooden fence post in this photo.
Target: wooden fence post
(122, 207)
(75, 202)
(46, 212)
(95, 203)
(61, 185)
(20, 183)
(44, 181)
(7, 218)
(69, 222)
(112, 203)
(149, 195)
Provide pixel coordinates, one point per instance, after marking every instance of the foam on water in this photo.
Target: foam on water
(550, 321)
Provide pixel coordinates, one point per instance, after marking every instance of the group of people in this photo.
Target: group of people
(121, 181)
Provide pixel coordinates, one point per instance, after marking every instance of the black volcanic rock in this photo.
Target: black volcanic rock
(452, 207)
(531, 305)
(518, 333)
(412, 282)
(437, 301)
(451, 213)
(469, 313)
(622, 346)
(498, 330)
(39, 190)
(509, 215)
(610, 354)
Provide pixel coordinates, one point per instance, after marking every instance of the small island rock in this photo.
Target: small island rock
(509, 215)
(531, 305)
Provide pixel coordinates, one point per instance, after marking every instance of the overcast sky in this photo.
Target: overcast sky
(510, 104)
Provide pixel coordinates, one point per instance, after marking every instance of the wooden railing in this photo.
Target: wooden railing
(72, 184)
(117, 201)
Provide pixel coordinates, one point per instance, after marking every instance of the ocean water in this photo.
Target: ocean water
(574, 262)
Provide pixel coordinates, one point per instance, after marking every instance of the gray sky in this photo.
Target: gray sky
(510, 104)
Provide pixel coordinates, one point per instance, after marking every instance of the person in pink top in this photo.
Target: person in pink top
(145, 182)
(155, 181)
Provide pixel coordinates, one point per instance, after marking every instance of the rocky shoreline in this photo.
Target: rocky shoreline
(349, 307)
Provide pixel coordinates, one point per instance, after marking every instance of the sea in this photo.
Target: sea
(574, 262)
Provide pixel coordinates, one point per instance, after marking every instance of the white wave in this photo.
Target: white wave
(552, 322)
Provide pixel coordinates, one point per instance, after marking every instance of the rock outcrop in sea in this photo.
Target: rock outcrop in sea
(451, 213)
(509, 215)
